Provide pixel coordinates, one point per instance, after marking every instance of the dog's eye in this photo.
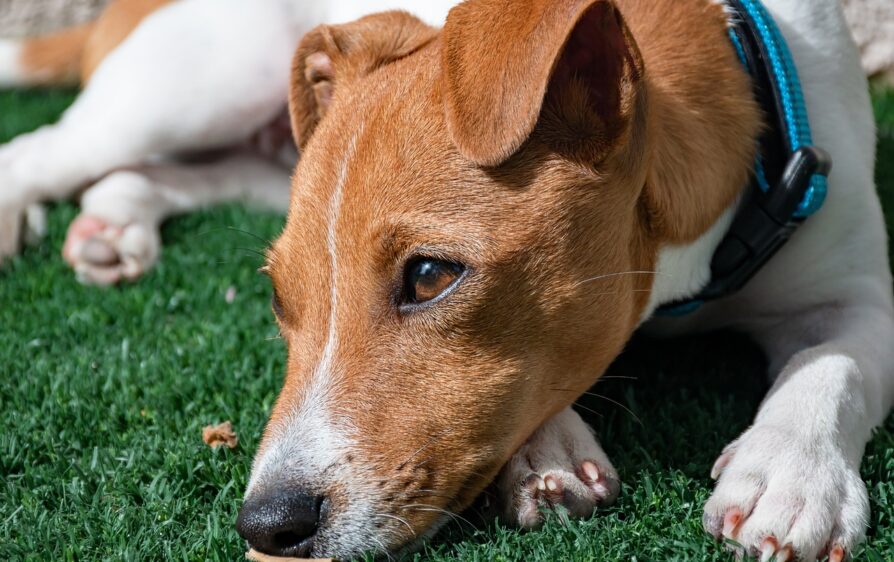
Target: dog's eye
(426, 279)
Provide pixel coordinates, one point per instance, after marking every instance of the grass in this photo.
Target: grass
(103, 394)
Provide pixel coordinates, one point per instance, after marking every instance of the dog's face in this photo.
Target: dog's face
(453, 269)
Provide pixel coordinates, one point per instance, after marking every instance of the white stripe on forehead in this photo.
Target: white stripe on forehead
(335, 199)
(308, 441)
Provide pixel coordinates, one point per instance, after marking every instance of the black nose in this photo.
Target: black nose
(280, 524)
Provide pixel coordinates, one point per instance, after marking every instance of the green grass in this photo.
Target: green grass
(103, 394)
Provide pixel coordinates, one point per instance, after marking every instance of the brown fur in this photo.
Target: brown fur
(56, 58)
(72, 55)
(540, 164)
(332, 54)
(492, 109)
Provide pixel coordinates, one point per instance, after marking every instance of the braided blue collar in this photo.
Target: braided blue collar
(789, 182)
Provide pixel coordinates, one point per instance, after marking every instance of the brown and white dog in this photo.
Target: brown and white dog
(481, 216)
(485, 214)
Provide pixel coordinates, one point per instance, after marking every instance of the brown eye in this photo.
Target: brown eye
(426, 279)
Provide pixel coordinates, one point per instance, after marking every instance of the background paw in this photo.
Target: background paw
(783, 495)
(561, 464)
(104, 254)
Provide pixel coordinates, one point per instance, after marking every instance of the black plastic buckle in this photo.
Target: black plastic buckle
(764, 223)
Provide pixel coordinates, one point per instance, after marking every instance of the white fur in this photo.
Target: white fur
(11, 71)
(682, 271)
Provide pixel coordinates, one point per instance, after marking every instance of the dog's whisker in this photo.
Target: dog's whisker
(594, 394)
(417, 494)
(382, 546)
(558, 389)
(421, 463)
(261, 239)
(619, 274)
(399, 519)
(619, 292)
(419, 450)
(211, 231)
(589, 410)
(616, 403)
(435, 509)
(252, 251)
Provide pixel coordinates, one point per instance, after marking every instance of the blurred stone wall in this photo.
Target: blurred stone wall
(872, 22)
(25, 17)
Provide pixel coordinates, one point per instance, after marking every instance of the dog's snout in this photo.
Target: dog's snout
(283, 523)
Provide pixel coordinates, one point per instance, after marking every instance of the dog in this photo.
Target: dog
(184, 106)
(484, 214)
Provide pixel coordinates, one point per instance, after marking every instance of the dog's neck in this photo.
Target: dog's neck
(702, 121)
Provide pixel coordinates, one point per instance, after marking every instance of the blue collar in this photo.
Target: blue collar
(790, 174)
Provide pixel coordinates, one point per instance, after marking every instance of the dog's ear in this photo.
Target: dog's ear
(333, 55)
(509, 63)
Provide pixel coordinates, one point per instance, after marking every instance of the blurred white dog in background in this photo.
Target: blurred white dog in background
(184, 105)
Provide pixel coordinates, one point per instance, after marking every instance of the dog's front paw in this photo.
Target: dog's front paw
(561, 464)
(786, 495)
(104, 254)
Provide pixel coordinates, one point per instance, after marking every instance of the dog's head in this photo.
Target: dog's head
(452, 272)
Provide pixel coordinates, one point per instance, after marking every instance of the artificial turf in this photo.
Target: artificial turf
(103, 395)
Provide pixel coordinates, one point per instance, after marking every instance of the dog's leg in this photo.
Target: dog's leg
(163, 91)
(790, 486)
(55, 161)
(560, 464)
(117, 236)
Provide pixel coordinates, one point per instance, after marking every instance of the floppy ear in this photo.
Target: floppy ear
(329, 57)
(503, 60)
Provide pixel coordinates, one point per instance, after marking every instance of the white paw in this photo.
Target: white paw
(784, 495)
(104, 254)
(561, 464)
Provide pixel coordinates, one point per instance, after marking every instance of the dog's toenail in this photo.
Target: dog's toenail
(552, 485)
(768, 548)
(731, 521)
(720, 464)
(837, 554)
(787, 554)
(591, 471)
